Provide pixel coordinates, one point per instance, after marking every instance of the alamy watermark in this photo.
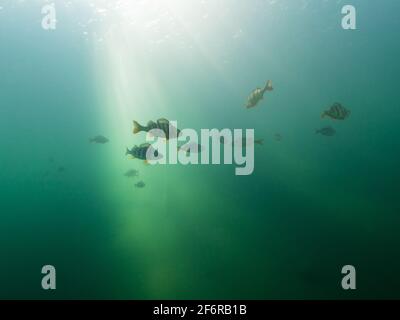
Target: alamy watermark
(349, 21)
(237, 148)
(349, 280)
(49, 280)
(49, 20)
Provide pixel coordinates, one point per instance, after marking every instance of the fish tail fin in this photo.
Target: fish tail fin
(317, 131)
(129, 153)
(136, 127)
(268, 86)
(323, 115)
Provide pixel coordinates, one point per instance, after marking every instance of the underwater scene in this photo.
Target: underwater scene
(306, 92)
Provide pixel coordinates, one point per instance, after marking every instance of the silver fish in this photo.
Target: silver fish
(258, 94)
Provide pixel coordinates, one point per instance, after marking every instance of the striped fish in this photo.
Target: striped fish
(337, 112)
(144, 152)
(161, 124)
(258, 94)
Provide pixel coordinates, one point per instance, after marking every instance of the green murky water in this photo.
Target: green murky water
(312, 205)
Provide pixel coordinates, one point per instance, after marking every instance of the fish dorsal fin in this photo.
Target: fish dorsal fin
(268, 86)
(145, 145)
(163, 120)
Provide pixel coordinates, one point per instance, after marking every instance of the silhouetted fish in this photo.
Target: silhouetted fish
(140, 184)
(244, 142)
(131, 173)
(247, 142)
(99, 139)
(327, 131)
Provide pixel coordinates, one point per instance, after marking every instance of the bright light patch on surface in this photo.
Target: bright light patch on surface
(134, 35)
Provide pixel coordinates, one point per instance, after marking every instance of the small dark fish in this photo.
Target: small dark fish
(61, 169)
(244, 142)
(144, 152)
(336, 112)
(257, 95)
(248, 142)
(99, 139)
(51, 160)
(278, 137)
(167, 131)
(140, 184)
(327, 131)
(131, 173)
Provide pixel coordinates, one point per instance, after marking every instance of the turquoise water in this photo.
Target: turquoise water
(312, 205)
